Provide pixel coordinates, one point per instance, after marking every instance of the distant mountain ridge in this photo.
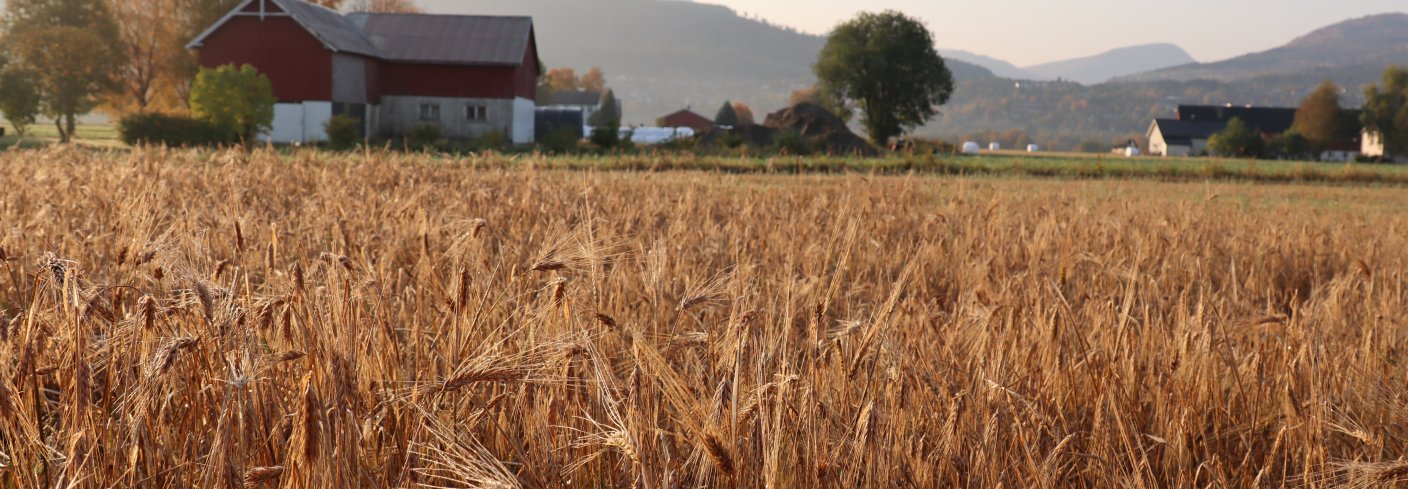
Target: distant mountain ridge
(1114, 63)
(996, 66)
(1087, 70)
(1352, 49)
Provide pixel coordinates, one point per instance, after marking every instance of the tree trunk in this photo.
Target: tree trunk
(59, 125)
(71, 128)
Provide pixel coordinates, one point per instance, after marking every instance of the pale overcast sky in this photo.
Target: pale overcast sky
(1027, 32)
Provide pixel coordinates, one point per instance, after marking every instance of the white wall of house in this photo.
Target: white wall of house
(1371, 145)
(1200, 147)
(1157, 145)
(299, 123)
(1176, 150)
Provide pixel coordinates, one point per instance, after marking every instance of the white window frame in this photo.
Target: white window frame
(429, 113)
(476, 112)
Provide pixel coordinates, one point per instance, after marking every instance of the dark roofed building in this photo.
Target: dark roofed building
(1267, 120)
(1175, 137)
(469, 75)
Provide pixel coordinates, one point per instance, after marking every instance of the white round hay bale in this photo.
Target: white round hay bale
(1131, 152)
(994, 147)
(970, 148)
(1032, 148)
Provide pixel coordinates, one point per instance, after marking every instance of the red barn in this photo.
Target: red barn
(470, 75)
(686, 118)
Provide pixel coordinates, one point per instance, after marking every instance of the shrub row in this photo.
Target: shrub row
(170, 130)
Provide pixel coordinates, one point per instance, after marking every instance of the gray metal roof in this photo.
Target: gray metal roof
(574, 98)
(329, 26)
(447, 39)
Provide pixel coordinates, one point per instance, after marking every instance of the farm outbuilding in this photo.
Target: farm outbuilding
(469, 75)
(686, 118)
(1189, 132)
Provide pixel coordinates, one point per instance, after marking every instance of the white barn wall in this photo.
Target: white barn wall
(288, 124)
(299, 123)
(523, 114)
(315, 119)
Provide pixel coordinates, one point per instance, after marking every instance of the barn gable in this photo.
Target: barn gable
(335, 31)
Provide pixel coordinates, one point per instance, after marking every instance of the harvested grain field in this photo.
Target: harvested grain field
(172, 319)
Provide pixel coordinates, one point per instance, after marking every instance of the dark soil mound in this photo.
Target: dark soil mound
(824, 131)
(822, 127)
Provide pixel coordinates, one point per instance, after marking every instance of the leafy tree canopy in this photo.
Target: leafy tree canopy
(1386, 110)
(240, 101)
(1237, 140)
(1320, 119)
(885, 66)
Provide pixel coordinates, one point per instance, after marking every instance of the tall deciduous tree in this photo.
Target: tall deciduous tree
(1386, 111)
(19, 98)
(150, 37)
(1320, 119)
(745, 114)
(593, 81)
(562, 79)
(70, 46)
(383, 6)
(885, 66)
(332, 4)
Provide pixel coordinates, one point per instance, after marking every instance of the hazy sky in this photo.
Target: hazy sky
(1027, 32)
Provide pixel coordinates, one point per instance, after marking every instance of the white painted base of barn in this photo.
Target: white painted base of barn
(458, 118)
(523, 118)
(299, 123)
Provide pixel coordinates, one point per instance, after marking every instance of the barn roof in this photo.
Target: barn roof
(447, 39)
(1273, 120)
(573, 97)
(417, 38)
(334, 29)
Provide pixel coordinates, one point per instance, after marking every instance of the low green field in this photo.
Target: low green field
(102, 135)
(1056, 165)
(1005, 163)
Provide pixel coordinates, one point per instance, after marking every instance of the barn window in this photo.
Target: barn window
(430, 112)
(476, 112)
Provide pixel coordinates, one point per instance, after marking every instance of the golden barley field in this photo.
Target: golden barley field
(178, 319)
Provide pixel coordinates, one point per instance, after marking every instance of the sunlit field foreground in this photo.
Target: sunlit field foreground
(176, 320)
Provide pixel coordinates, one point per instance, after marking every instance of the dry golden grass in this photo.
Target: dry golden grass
(175, 319)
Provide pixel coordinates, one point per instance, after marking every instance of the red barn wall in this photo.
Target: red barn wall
(447, 80)
(297, 64)
(526, 78)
